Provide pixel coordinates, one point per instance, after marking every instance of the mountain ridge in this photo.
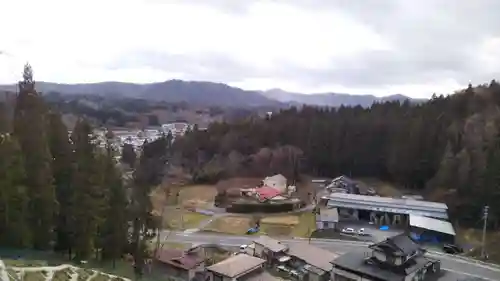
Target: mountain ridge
(209, 94)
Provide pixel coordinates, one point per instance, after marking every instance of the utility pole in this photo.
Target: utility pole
(485, 223)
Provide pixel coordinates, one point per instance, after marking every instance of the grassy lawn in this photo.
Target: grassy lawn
(237, 225)
(181, 219)
(306, 226)
(300, 225)
(473, 238)
(200, 196)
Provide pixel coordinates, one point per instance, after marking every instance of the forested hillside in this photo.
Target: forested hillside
(66, 193)
(448, 147)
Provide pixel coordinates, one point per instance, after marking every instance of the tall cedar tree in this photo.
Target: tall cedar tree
(30, 129)
(62, 166)
(128, 155)
(115, 226)
(148, 173)
(87, 192)
(14, 230)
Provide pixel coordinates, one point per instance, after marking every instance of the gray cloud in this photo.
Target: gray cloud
(207, 66)
(432, 40)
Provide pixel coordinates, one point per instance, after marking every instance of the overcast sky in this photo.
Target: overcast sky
(376, 47)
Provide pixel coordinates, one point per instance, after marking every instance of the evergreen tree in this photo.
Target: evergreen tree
(128, 155)
(14, 230)
(87, 192)
(148, 173)
(62, 165)
(30, 129)
(115, 226)
(4, 118)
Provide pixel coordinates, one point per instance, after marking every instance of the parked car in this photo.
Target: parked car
(452, 249)
(361, 232)
(348, 230)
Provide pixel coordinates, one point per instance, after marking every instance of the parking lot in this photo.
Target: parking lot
(366, 232)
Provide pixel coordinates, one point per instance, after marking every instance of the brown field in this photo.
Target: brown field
(237, 225)
(281, 220)
(301, 225)
(189, 196)
(181, 219)
(473, 237)
(197, 195)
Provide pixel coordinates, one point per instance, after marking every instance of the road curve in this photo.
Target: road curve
(458, 266)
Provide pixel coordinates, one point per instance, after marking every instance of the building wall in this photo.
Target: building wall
(342, 275)
(216, 277)
(429, 235)
(259, 250)
(325, 225)
(313, 277)
(212, 276)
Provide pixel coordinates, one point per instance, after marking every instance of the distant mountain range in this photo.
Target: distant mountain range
(331, 99)
(209, 94)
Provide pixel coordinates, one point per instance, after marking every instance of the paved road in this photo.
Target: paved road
(457, 266)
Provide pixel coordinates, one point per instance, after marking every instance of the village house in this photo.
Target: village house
(239, 267)
(327, 218)
(178, 264)
(311, 262)
(300, 260)
(397, 258)
(269, 249)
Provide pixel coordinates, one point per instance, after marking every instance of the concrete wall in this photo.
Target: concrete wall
(342, 275)
(259, 250)
(325, 225)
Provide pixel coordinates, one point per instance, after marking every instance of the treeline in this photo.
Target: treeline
(65, 192)
(447, 147)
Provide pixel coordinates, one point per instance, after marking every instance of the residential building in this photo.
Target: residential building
(327, 218)
(300, 260)
(312, 261)
(385, 210)
(277, 182)
(344, 183)
(178, 264)
(269, 249)
(398, 258)
(239, 267)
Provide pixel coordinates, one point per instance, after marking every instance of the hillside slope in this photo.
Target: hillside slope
(208, 94)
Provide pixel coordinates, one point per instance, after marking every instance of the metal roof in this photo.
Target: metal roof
(236, 265)
(388, 204)
(432, 224)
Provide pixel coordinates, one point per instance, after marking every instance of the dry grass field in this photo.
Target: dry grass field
(300, 225)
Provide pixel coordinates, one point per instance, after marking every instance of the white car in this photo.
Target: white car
(361, 232)
(243, 248)
(348, 230)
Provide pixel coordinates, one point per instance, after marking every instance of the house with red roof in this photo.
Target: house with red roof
(266, 193)
(182, 265)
